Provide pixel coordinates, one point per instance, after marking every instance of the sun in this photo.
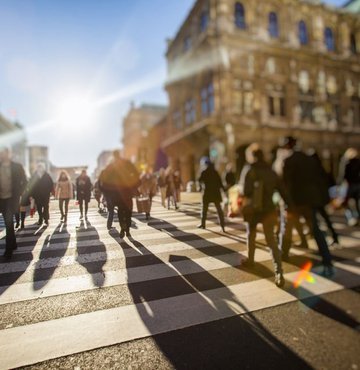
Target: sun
(75, 112)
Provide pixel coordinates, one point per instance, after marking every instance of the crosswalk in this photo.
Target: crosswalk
(67, 282)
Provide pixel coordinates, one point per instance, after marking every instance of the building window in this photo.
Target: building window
(204, 20)
(190, 111)
(307, 106)
(277, 106)
(207, 100)
(240, 16)
(303, 34)
(187, 43)
(355, 104)
(177, 119)
(273, 25)
(353, 46)
(329, 39)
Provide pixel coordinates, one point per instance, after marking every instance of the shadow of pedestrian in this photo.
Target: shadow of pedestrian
(11, 271)
(49, 259)
(91, 252)
(196, 324)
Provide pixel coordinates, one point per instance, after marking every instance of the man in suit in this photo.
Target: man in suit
(12, 185)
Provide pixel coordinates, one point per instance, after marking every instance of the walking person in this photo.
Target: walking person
(259, 183)
(350, 173)
(64, 192)
(170, 188)
(119, 181)
(211, 180)
(41, 187)
(83, 193)
(12, 185)
(147, 188)
(161, 182)
(177, 185)
(304, 185)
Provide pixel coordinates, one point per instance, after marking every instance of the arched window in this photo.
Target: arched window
(353, 46)
(204, 20)
(273, 25)
(240, 16)
(329, 39)
(303, 34)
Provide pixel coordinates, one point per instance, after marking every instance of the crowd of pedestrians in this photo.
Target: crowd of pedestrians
(290, 193)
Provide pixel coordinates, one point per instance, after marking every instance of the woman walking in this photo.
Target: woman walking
(170, 188)
(161, 182)
(64, 192)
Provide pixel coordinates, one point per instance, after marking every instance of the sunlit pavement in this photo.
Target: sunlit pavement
(172, 296)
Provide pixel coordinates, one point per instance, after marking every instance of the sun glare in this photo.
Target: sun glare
(75, 111)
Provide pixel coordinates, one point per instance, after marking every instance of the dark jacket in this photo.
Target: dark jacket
(83, 188)
(230, 179)
(41, 188)
(352, 171)
(212, 183)
(18, 181)
(119, 181)
(261, 173)
(303, 180)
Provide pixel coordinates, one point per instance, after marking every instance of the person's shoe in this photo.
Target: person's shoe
(81, 217)
(7, 255)
(127, 232)
(122, 233)
(248, 264)
(22, 226)
(176, 207)
(223, 229)
(40, 222)
(328, 271)
(352, 222)
(279, 280)
(47, 222)
(201, 226)
(17, 225)
(302, 245)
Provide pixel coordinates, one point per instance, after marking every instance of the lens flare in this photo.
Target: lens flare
(304, 275)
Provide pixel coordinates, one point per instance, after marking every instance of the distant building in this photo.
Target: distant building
(136, 127)
(245, 71)
(38, 154)
(103, 160)
(13, 135)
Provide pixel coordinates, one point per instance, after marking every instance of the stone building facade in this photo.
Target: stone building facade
(245, 71)
(136, 128)
(38, 154)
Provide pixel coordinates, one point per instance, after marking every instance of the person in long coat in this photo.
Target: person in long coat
(211, 180)
(12, 185)
(118, 182)
(64, 192)
(41, 186)
(83, 193)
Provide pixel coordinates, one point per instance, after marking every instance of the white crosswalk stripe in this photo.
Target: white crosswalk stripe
(172, 275)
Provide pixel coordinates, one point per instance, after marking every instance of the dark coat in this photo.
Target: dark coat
(119, 181)
(41, 188)
(262, 173)
(18, 181)
(212, 183)
(303, 180)
(83, 188)
(352, 171)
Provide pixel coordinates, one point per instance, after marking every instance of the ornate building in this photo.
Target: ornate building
(137, 126)
(244, 71)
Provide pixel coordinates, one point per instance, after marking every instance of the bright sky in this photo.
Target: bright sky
(62, 57)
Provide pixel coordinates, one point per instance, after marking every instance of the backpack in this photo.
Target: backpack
(255, 204)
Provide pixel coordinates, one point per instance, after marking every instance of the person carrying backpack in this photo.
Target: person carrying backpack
(259, 183)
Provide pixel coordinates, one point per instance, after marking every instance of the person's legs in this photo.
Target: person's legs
(10, 239)
(326, 217)
(66, 208)
(81, 207)
(61, 207)
(163, 196)
(86, 207)
(220, 215)
(205, 207)
(320, 239)
(46, 211)
(110, 207)
(23, 215)
(17, 219)
(250, 242)
(269, 223)
(40, 209)
(287, 223)
(300, 230)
